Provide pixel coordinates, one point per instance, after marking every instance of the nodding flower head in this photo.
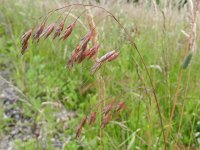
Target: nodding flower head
(105, 121)
(68, 31)
(48, 30)
(25, 39)
(59, 29)
(92, 118)
(39, 32)
(79, 129)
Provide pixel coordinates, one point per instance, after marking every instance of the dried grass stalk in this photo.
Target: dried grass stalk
(92, 26)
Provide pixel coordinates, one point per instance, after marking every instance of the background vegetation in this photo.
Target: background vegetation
(55, 99)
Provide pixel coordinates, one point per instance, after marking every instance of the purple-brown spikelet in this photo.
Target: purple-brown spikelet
(81, 53)
(78, 132)
(88, 53)
(94, 50)
(107, 56)
(105, 121)
(39, 32)
(73, 57)
(85, 41)
(25, 39)
(107, 109)
(59, 29)
(92, 118)
(48, 30)
(24, 47)
(68, 31)
(87, 37)
(83, 122)
(120, 106)
(83, 56)
(26, 36)
(79, 129)
(114, 56)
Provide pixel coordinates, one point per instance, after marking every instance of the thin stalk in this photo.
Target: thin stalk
(99, 87)
(182, 111)
(174, 104)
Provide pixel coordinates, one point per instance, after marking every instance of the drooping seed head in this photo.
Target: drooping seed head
(79, 129)
(39, 32)
(105, 121)
(92, 118)
(68, 31)
(26, 36)
(48, 30)
(73, 57)
(107, 109)
(120, 106)
(78, 132)
(83, 44)
(83, 56)
(84, 120)
(59, 29)
(85, 40)
(87, 37)
(25, 39)
(94, 50)
(24, 47)
(114, 56)
(106, 56)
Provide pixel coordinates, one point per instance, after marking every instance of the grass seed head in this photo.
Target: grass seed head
(107, 109)
(25, 39)
(59, 29)
(85, 41)
(24, 47)
(94, 50)
(83, 56)
(26, 36)
(39, 32)
(48, 30)
(106, 56)
(105, 121)
(114, 56)
(73, 57)
(83, 122)
(78, 132)
(120, 106)
(68, 31)
(79, 129)
(92, 118)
